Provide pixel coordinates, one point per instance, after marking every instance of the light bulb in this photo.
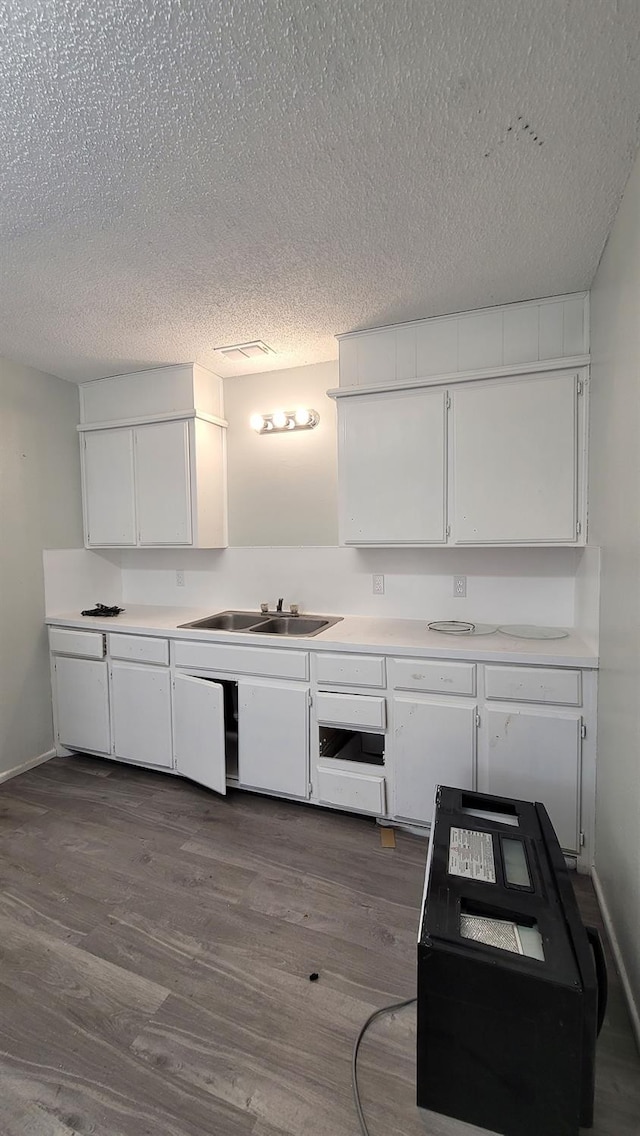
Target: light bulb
(256, 422)
(302, 416)
(279, 419)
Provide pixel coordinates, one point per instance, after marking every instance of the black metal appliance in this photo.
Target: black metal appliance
(511, 985)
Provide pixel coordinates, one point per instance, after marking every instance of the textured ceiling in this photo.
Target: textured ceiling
(176, 176)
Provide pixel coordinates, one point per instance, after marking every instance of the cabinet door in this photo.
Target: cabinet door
(535, 756)
(141, 713)
(198, 731)
(392, 468)
(82, 704)
(273, 737)
(514, 453)
(434, 743)
(163, 483)
(109, 500)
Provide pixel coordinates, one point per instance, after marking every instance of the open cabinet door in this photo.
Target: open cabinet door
(198, 731)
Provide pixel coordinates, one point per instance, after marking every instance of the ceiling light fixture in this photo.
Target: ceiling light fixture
(279, 421)
(238, 352)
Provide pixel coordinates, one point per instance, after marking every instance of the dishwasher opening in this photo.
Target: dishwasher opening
(351, 745)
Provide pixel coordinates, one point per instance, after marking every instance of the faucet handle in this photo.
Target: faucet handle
(264, 608)
(294, 609)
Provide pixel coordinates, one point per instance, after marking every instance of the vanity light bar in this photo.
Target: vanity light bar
(279, 421)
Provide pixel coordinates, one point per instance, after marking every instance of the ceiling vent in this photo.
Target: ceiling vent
(238, 352)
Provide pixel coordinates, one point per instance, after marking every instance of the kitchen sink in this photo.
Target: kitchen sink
(292, 625)
(257, 623)
(227, 621)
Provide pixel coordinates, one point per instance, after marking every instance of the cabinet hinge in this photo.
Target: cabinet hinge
(309, 699)
(447, 401)
(578, 527)
(448, 531)
(477, 719)
(583, 731)
(580, 386)
(310, 788)
(581, 840)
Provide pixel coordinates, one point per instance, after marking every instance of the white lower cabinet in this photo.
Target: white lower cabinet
(360, 792)
(273, 736)
(141, 713)
(81, 697)
(199, 731)
(240, 716)
(434, 743)
(535, 755)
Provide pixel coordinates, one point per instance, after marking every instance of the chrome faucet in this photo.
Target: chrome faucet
(294, 608)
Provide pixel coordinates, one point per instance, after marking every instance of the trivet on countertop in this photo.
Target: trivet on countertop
(102, 611)
(461, 627)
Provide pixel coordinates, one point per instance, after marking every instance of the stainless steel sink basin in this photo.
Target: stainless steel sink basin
(292, 625)
(228, 621)
(256, 623)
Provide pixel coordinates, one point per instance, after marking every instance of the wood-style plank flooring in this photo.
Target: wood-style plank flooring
(156, 944)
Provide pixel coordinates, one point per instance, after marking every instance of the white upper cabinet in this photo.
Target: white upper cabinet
(163, 483)
(514, 461)
(467, 429)
(392, 467)
(108, 489)
(153, 460)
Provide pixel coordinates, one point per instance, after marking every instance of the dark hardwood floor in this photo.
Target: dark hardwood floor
(156, 944)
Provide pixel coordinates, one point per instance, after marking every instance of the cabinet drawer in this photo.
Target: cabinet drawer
(350, 670)
(357, 710)
(139, 648)
(86, 644)
(352, 791)
(241, 660)
(434, 676)
(533, 684)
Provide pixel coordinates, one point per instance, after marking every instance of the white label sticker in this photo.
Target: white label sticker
(471, 855)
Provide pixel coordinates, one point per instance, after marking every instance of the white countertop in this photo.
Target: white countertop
(353, 632)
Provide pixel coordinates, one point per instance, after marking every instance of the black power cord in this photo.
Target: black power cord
(354, 1060)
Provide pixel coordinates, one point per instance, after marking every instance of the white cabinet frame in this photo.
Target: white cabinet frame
(402, 533)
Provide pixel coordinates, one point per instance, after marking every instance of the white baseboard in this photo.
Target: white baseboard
(30, 764)
(634, 1011)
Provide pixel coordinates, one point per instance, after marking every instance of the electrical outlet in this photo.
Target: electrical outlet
(460, 586)
(378, 585)
(180, 578)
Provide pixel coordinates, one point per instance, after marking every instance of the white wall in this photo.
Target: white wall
(503, 586)
(39, 506)
(615, 525)
(283, 487)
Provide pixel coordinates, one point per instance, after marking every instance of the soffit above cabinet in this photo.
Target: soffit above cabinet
(160, 392)
(507, 339)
